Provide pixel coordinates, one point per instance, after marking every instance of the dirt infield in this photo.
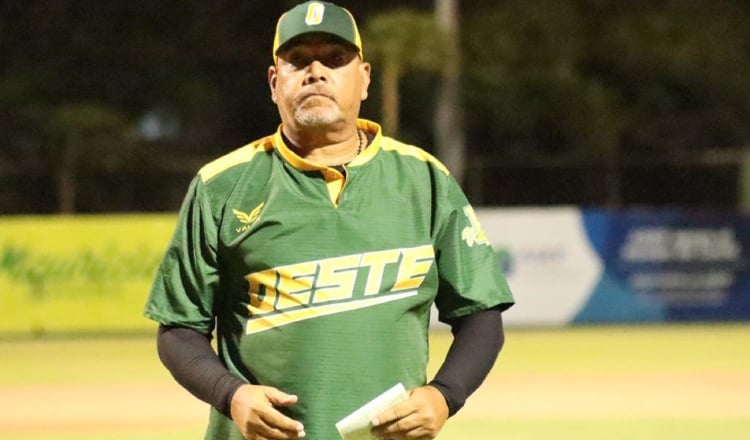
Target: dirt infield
(98, 407)
(99, 385)
(613, 395)
(164, 405)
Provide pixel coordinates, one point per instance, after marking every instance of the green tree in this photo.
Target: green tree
(399, 41)
(85, 136)
(681, 71)
(606, 84)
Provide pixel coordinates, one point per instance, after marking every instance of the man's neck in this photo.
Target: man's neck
(325, 147)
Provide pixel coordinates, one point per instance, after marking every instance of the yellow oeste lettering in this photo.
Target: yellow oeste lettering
(262, 293)
(415, 263)
(377, 262)
(295, 284)
(336, 278)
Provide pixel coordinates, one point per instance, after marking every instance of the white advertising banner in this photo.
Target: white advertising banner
(549, 263)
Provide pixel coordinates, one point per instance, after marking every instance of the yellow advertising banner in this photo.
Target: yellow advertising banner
(69, 274)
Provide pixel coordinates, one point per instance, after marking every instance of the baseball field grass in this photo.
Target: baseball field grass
(598, 382)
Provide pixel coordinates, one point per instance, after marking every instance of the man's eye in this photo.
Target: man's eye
(336, 60)
(298, 60)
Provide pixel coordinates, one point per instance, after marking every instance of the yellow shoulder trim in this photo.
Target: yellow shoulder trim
(236, 157)
(390, 144)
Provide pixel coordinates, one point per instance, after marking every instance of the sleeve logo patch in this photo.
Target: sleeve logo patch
(473, 234)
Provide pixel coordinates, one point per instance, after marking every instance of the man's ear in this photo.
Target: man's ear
(272, 82)
(364, 71)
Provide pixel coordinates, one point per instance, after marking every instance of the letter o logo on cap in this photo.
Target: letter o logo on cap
(314, 14)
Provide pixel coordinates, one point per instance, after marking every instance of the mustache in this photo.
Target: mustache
(314, 91)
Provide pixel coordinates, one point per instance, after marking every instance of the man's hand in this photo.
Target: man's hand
(254, 414)
(418, 418)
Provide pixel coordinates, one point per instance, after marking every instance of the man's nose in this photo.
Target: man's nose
(316, 72)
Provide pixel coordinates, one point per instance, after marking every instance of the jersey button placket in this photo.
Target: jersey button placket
(334, 183)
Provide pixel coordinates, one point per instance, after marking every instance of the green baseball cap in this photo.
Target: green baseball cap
(316, 17)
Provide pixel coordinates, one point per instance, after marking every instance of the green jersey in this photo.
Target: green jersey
(318, 282)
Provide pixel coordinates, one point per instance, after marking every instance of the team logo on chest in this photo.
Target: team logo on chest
(247, 219)
(293, 293)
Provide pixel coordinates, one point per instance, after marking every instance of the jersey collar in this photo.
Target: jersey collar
(296, 161)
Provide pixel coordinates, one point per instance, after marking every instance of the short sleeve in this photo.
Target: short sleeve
(470, 276)
(184, 290)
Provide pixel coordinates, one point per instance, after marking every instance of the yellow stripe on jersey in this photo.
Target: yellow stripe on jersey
(236, 157)
(261, 323)
(389, 144)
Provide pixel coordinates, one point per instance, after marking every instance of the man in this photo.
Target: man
(315, 255)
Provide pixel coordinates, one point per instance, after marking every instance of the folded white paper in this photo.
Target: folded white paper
(356, 426)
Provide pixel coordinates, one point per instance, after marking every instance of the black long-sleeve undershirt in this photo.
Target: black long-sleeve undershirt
(477, 341)
(192, 361)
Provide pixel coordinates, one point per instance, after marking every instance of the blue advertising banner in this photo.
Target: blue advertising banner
(669, 265)
(568, 265)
